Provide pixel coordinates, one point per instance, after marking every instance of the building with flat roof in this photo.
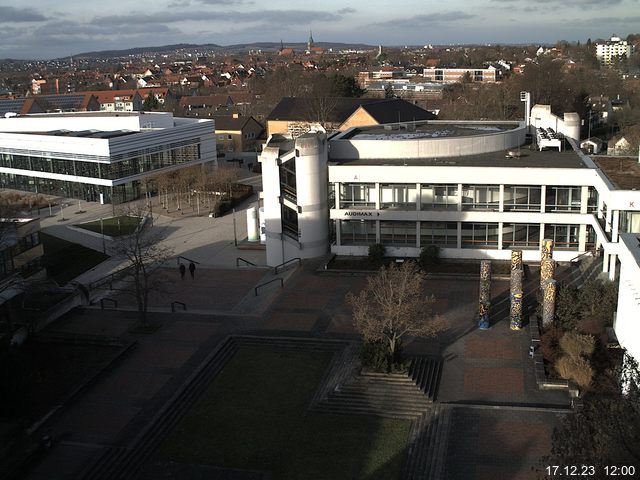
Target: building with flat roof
(475, 189)
(99, 156)
(614, 49)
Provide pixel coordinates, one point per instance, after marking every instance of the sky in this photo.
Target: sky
(44, 29)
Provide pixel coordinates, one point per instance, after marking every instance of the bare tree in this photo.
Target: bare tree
(143, 253)
(393, 305)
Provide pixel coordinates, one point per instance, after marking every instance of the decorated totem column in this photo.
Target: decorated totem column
(517, 274)
(549, 303)
(547, 271)
(485, 294)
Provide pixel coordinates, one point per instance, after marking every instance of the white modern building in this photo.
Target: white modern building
(613, 49)
(99, 156)
(477, 190)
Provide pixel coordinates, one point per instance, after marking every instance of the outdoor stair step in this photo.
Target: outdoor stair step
(127, 464)
(430, 376)
(380, 397)
(360, 410)
(386, 402)
(358, 388)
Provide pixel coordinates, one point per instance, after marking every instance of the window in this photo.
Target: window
(565, 237)
(357, 195)
(592, 201)
(444, 234)
(290, 222)
(439, 197)
(288, 180)
(401, 197)
(479, 235)
(398, 233)
(220, 137)
(520, 235)
(563, 199)
(357, 232)
(480, 197)
(522, 198)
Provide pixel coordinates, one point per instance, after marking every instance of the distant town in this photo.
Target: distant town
(321, 260)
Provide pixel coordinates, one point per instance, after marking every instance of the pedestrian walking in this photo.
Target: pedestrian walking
(192, 269)
(183, 270)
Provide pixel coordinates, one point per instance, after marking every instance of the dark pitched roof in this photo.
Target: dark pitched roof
(397, 110)
(229, 122)
(339, 109)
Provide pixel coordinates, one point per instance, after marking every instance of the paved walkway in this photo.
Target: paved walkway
(501, 424)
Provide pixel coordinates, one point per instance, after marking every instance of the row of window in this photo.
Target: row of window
(473, 197)
(473, 235)
(107, 171)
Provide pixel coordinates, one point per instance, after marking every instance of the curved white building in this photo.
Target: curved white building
(477, 190)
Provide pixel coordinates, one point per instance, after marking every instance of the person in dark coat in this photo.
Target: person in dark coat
(192, 269)
(183, 270)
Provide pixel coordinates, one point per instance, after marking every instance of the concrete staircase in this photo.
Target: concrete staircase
(427, 448)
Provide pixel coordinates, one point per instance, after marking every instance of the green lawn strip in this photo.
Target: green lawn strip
(64, 260)
(114, 226)
(253, 416)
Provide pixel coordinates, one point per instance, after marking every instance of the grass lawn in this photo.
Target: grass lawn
(64, 260)
(253, 416)
(114, 226)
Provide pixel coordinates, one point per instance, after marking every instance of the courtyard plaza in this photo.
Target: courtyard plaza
(501, 423)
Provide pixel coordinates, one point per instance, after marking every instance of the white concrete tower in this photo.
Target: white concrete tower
(295, 176)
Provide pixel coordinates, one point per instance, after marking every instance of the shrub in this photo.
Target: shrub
(550, 343)
(429, 255)
(577, 346)
(376, 254)
(577, 369)
(375, 356)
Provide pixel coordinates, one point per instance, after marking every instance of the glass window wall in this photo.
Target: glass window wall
(357, 232)
(357, 195)
(398, 233)
(480, 197)
(398, 196)
(439, 197)
(520, 235)
(522, 198)
(444, 234)
(479, 235)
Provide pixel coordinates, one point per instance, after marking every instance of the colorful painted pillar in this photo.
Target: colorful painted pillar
(549, 303)
(485, 294)
(546, 249)
(547, 271)
(515, 313)
(517, 274)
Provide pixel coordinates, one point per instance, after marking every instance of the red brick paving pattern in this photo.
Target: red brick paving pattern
(498, 348)
(494, 381)
(516, 438)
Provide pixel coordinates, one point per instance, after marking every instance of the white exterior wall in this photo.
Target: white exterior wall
(627, 324)
(14, 140)
(271, 198)
(427, 147)
(311, 187)
(77, 122)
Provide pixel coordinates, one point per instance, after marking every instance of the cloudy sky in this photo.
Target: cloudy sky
(59, 28)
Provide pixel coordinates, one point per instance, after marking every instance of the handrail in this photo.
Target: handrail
(102, 300)
(283, 264)
(238, 259)
(185, 258)
(109, 278)
(255, 290)
(583, 254)
(173, 305)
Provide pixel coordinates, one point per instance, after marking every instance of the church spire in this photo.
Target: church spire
(310, 42)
